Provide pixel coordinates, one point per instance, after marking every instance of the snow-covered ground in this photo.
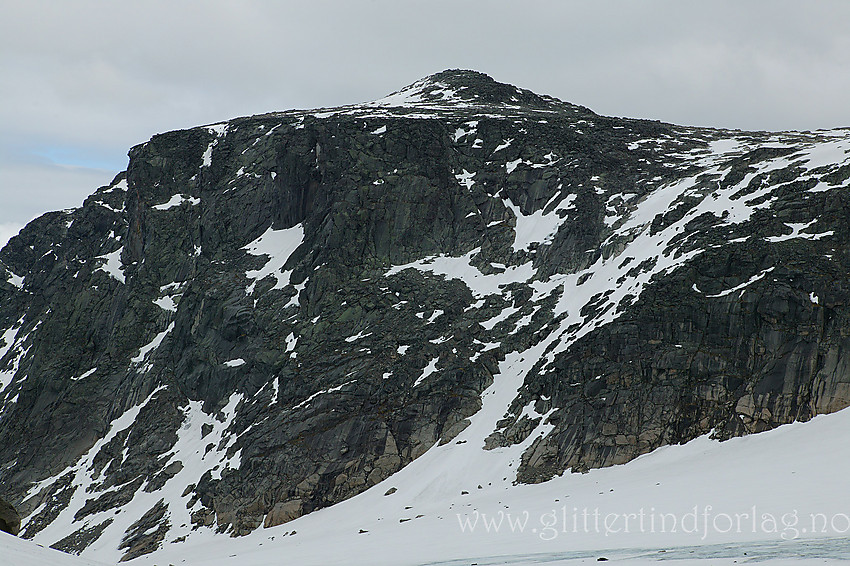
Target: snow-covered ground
(17, 552)
(779, 496)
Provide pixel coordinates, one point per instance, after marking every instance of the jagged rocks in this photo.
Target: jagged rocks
(146, 534)
(78, 540)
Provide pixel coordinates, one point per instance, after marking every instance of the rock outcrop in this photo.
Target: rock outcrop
(10, 521)
(267, 316)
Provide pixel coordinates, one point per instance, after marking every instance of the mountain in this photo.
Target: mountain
(267, 316)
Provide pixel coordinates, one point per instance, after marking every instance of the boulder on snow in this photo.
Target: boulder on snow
(10, 520)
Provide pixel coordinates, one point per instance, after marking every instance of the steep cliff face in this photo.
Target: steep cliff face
(266, 316)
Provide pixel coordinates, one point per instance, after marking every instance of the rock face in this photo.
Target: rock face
(10, 521)
(267, 316)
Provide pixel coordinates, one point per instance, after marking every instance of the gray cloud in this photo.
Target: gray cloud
(28, 189)
(92, 78)
(7, 230)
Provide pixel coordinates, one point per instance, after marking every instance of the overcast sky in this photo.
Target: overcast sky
(83, 81)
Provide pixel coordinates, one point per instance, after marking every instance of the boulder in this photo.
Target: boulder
(10, 520)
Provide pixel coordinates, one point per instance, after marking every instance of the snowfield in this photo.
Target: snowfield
(779, 496)
(776, 498)
(17, 552)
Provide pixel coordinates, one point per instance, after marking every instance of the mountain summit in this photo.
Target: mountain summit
(264, 317)
(458, 86)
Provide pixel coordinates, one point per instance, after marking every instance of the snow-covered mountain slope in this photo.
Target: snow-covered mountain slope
(678, 502)
(17, 552)
(263, 318)
(791, 476)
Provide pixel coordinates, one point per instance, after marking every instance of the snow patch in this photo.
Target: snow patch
(220, 130)
(176, 201)
(436, 314)
(85, 375)
(537, 227)
(429, 369)
(8, 341)
(357, 336)
(465, 179)
(505, 144)
(277, 245)
(797, 232)
(112, 265)
(15, 280)
(460, 268)
(166, 303)
(306, 402)
(150, 347)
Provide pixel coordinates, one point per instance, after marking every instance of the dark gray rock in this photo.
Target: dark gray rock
(146, 535)
(10, 521)
(77, 541)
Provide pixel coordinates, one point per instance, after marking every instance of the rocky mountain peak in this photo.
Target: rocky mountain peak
(462, 87)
